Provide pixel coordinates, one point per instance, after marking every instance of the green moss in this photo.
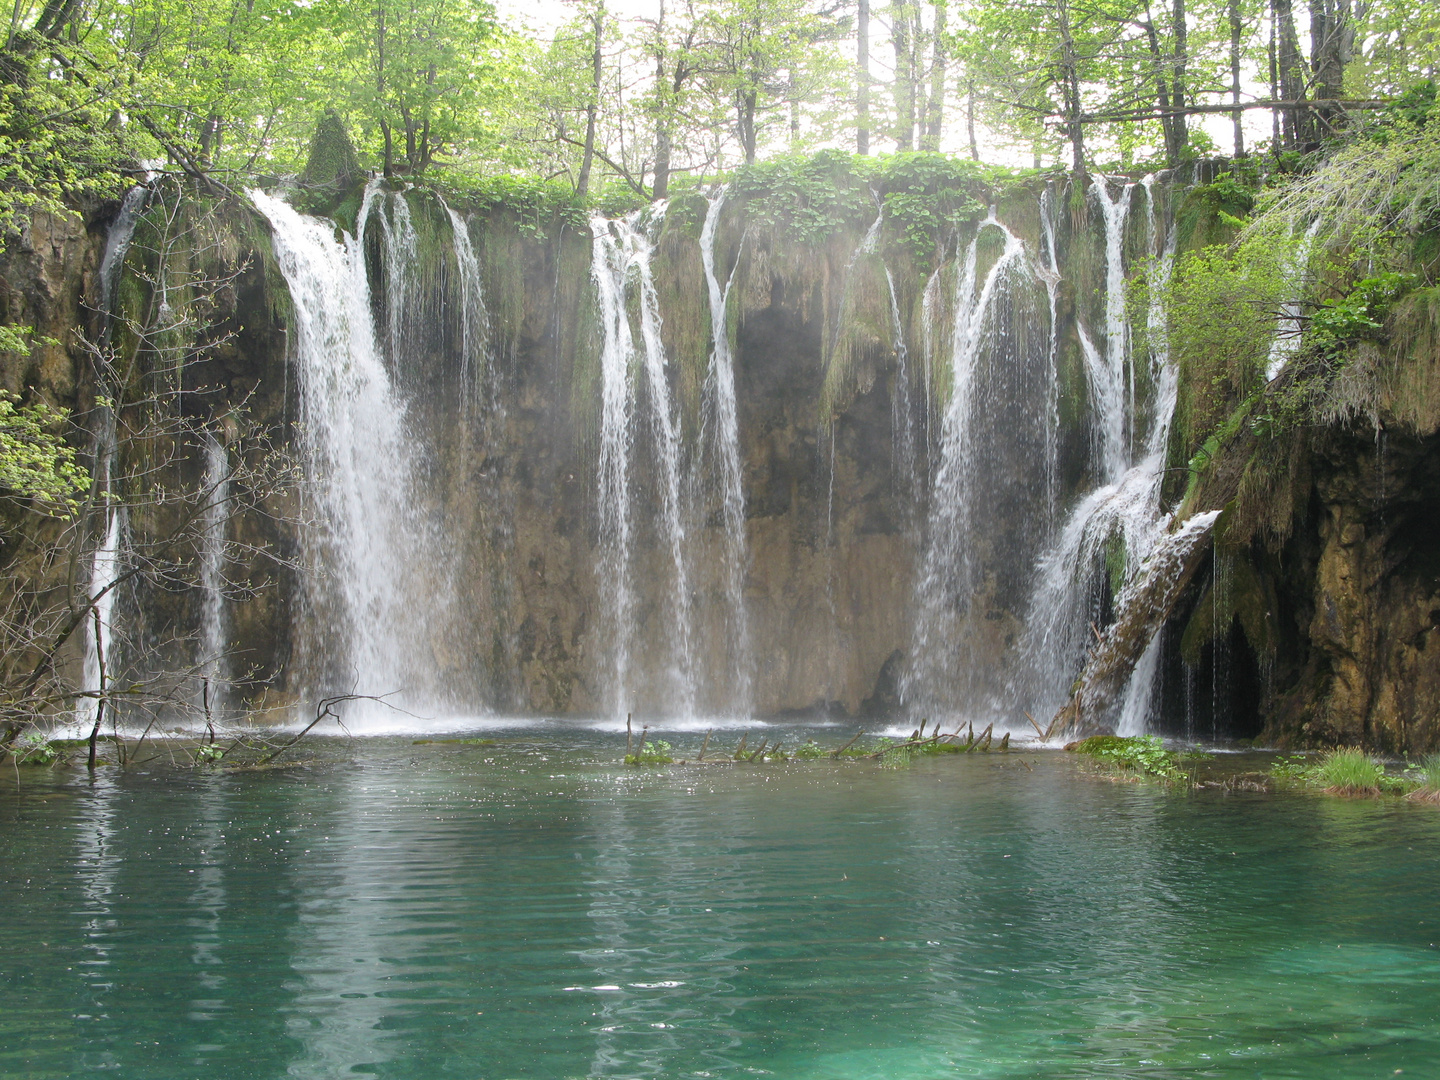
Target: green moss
(333, 161)
(1242, 594)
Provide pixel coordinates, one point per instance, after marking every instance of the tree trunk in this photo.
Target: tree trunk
(970, 124)
(1297, 125)
(1237, 26)
(862, 89)
(902, 37)
(380, 89)
(1179, 129)
(597, 65)
(661, 188)
(745, 107)
(935, 113)
(1070, 88)
(1332, 42)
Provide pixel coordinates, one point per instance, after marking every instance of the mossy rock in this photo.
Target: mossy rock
(1098, 744)
(333, 161)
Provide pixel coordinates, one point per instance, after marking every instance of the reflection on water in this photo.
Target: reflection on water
(528, 909)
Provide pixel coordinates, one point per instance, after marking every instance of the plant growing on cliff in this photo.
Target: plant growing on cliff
(37, 465)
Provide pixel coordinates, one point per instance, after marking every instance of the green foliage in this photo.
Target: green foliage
(1142, 754)
(651, 753)
(208, 755)
(36, 463)
(35, 749)
(536, 205)
(1360, 314)
(1297, 767)
(805, 198)
(1220, 306)
(925, 193)
(1229, 199)
(810, 750)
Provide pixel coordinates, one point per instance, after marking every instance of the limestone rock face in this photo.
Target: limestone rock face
(1371, 643)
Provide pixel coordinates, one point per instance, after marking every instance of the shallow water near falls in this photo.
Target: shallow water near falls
(529, 908)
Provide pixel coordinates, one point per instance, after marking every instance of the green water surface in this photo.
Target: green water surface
(532, 909)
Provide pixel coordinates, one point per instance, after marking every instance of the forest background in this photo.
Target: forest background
(91, 90)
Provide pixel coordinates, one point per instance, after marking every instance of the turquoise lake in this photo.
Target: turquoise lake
(532, 909)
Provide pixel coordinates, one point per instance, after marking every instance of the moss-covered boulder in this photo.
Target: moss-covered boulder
(333, 161)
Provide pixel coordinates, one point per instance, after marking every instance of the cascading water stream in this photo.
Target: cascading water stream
(1114, 422)
(1286, 341)
(902, 414)
(474, 316)
(1050, 274)
(117, 246)
(949, 575)
(105, 561)
(213, 643)
(725, 435)
(359, 457)
(621, 252)
(1125, 510)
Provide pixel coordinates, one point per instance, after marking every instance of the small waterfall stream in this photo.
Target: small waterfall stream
(214, 638)
(99, 652)
(724, 432)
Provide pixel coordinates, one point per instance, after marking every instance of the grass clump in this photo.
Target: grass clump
(1428, 775)
(809, 750)
(1142, 755)
(651, 753)
(1348, 770)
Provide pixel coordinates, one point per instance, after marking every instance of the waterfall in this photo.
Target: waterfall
(1122, 518)
(117, 246)
(397, 230)
(360, 460)
(1286, 341)
(902, 414)
(474, 317)
(1108, 372)
(106, 559)
(621, 256)
(949, 574)
(214, 638)
(1050, 274)
(104, 568)
(725, 433)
